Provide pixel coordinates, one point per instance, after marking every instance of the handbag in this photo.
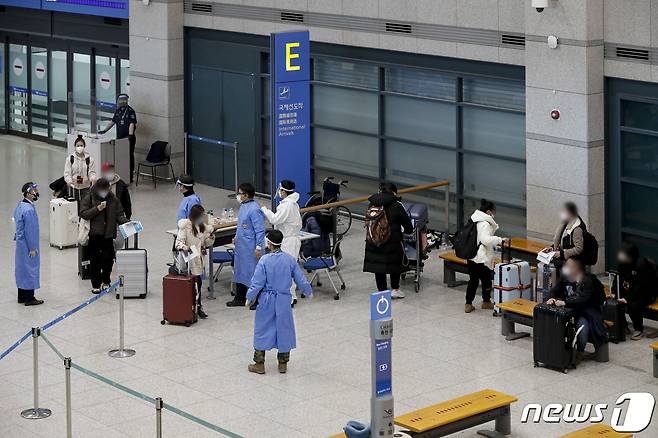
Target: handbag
(83, 231)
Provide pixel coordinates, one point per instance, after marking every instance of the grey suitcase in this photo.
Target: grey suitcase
(132, 263)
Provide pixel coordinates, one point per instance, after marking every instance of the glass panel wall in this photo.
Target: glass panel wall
(81, 95)
(106, 94)
(58, 98)
(39, 90)
(418, 126)
(125, 76)
(18, 92)
(3, 88)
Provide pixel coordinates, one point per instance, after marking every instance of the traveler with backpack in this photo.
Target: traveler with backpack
(386, 220)
(79, 171)
(585, 294)
(476, 242)
(637, 285)
(572, 239)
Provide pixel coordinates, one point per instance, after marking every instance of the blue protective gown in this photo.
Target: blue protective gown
(275, 326)
(186, 204)
(249, 234)
(27, 239)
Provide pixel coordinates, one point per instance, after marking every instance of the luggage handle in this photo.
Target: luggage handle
(136, 244)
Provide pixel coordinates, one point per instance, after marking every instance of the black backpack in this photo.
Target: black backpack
(599, 290)
(465, 241)
(590, 254)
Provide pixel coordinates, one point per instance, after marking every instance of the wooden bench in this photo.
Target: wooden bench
(526, 249)
(513, 312)
(461, 413)
(654, 350)
(458, 414)
(453, 264)
(597, 431)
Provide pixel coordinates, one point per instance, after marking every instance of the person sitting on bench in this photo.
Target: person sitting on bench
(583, 293)
(637, 287)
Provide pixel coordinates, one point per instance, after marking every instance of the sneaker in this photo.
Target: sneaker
(637, 335)
(487, 305)
(95, 291)
(294, 301)
(235, 303)
(202, 314)
(257, 368)
(468, 308)
(105, 286)
(283, 367)
(33, 302)
(397, 294)
(253, 306)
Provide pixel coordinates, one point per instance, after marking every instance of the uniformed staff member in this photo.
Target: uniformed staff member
(28, 261)
(125, 120)
(185, 184)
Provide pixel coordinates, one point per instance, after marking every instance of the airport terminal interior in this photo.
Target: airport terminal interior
(520, 137)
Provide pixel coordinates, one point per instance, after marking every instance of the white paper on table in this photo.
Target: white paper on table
(546, 257)
(191, 254)
(130, 229)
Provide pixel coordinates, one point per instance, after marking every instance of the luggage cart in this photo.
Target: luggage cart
(415, 244)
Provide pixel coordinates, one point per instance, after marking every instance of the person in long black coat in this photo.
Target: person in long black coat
(389, 257)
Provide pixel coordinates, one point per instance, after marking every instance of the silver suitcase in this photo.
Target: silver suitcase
(511, 281)
(63, 223)
(132, 263)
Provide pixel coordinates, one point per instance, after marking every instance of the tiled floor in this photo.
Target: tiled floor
(439, 352)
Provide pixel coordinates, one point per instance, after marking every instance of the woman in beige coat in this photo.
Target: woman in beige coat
(194, 232)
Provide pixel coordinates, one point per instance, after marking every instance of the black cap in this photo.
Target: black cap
(275, 237)
(27, 186)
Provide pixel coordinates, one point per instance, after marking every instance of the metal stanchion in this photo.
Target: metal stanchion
(121, 351)
(69, 419)
(158, 417)
(36, 412)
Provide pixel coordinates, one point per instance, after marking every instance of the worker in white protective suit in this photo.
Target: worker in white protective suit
(287, 220)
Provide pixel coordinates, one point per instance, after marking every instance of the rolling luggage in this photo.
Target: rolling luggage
(511, 281)
(83, 262)
(132, 263)
(554, 331)
(179, 303)
(614, 319)
(63, 223)
(546, 279)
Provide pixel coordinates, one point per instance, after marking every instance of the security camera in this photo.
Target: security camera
(540, 5)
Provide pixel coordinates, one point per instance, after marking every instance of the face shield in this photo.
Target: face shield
(122, 100)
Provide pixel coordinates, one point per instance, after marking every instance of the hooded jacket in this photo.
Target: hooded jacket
(487, 240)
(388, 258)
(102, 223)
(120, 190)
(186, 238)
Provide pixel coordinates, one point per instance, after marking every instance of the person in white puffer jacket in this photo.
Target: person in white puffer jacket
(288, 220)
(480, 267)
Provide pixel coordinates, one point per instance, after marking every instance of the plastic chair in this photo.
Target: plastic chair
(221, 258)
(153, 165)
(326, 263)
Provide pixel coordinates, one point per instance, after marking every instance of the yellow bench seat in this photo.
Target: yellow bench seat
(520, 306)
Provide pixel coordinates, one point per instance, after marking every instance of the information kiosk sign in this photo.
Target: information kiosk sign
(381, 334)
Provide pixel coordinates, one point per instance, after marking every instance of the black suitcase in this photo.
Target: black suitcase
(553, 337)
(614, 319)
(83, 262)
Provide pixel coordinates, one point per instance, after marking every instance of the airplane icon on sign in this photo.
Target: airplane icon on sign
(284, 92)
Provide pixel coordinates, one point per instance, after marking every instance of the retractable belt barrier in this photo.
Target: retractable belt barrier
(157, 402)
(59, 319)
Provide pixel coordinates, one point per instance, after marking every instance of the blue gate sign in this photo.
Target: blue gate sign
(291, 130)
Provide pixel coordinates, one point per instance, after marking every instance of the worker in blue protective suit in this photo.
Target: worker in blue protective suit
(249, 243)
(28, 260)
(274, 326)
(185, 185)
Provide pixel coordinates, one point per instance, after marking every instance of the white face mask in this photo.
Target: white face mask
(109, 176)
(564, 216)
(79, 150)
(566, 271)
(103, 194)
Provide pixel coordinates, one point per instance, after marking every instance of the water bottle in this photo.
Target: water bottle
(224, 215)
(231, 215)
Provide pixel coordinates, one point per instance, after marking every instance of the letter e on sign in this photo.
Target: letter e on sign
(290, 56)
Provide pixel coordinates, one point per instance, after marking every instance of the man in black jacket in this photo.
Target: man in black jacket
(388, 257)
(583, 293)
(104, 212)
(118, 187)
(637, 278)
